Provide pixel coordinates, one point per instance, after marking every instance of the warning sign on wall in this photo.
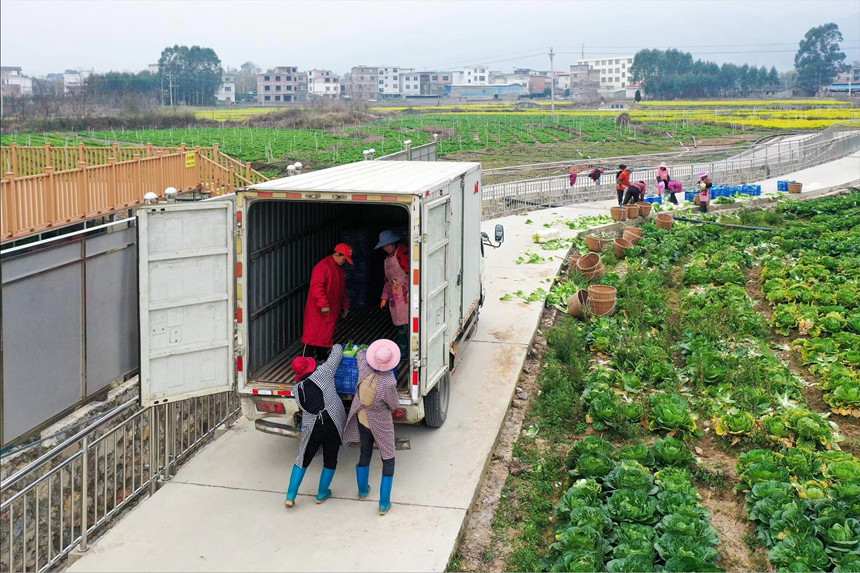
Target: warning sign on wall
(190, 159)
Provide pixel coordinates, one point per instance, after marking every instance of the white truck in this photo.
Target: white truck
(223, 283)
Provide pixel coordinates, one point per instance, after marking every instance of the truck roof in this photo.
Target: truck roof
(393, 177)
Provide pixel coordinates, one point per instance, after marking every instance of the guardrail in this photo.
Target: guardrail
(54, 198)
(511, 190)
(59, 501)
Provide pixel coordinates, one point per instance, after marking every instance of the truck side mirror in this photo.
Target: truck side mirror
(500, 235)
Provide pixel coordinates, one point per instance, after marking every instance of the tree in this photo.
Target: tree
(246, 78)
(193, 74)
(819, 59)
(638, 97)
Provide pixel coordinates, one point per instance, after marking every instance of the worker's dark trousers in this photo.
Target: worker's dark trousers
(366, 437)
(620, 195)
(325, 436)
(318, 353)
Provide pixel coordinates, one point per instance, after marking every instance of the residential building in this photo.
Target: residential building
(323, 83)
(847, 81)
(284, 84)
(614, 72)
(471, 75)
(434, 83)
(363, 83)
(75, 80)
(13, 83)
(562, 81)
(487, 91)
(505, 78)
(227, 91)
(584, 80)
(539, 84)
(410, 83)
(389, 81)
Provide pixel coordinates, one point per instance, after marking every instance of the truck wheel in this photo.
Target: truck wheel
(436, 402)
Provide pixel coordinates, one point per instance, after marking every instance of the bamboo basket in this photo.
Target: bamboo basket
(618, 213)
(632, 211)
(595, 244)
(576, 305)
(795, 187)
(644, 208)
(665, 221)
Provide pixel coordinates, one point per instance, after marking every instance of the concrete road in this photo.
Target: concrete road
(224, 511)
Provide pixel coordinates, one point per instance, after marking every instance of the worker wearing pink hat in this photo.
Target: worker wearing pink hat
(327, 302)
(705, 185)
(370, 416)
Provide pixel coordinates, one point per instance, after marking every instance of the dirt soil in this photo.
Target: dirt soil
(477, 535)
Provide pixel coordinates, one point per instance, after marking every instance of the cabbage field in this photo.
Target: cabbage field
(712, 423)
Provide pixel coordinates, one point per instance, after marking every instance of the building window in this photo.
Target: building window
(623, 74)
(228, 89)
(267, 88)
(289, 78)
(267, 98)
(444, 78)
(289, 88)
(617, 79)
(277, 88)
(327, 80)
(266, 78)
(277, 78)
(381, 81)
(394, 71)
(277, 98)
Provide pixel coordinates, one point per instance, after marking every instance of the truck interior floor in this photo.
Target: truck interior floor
(360, 327)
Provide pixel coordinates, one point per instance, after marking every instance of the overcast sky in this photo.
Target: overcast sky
(44, 36)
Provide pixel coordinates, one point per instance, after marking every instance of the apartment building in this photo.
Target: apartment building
(227, 91)
(472, 75)
(284, 84)
(323, 83)
(75, 81)
(389, 81)
(614, 72)
(363, 82)
(434, 83)
(410, 83)
(13, 83)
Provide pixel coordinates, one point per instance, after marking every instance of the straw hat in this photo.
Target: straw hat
(383, 355)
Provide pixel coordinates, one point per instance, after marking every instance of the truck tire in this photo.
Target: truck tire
(436, 402)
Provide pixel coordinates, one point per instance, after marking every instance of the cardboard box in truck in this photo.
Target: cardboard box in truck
(224, 283)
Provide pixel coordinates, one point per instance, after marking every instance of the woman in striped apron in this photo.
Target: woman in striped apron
(323, 420)
(370, 416)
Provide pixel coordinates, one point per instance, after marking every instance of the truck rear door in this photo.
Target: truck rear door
(435, 227)
(185, 264)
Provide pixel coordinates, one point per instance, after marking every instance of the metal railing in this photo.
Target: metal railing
(426, 152)
(54, 198)
(60, 500)
(510, 190)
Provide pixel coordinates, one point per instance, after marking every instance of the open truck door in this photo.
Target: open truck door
(186, 279)
(436, 310)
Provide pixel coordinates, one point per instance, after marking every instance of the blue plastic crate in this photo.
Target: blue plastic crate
(654, 199)
(346, 375)
(783, 185)
(690, 196)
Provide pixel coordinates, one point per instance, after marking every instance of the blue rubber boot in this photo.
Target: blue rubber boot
(362, 476)
(325, 481)
(385, 494)
(295, 481)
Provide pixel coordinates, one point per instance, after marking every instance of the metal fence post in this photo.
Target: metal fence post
(85, 476)
(153, 431)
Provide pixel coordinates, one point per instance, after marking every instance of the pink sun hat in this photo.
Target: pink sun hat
(383, 355)
(703, 174)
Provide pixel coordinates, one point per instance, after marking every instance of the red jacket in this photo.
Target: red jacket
(328, 288)
(623, 180)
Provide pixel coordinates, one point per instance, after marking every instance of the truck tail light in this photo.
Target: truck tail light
(271, 407)
(239, 364)
(399, 414)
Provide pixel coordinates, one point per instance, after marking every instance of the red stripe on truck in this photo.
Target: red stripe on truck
(239, 366)
(416, 277)
(359, 197)
(415, 378)
(239, 315)
(264, 194)
(239, 269)
(389, 197)
(415, 325)
(239, 218)
(293, 195)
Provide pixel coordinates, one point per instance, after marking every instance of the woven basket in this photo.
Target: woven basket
(632, 211)
(596, 273)
(632, 234)
(576, 304)
(595, 244)
(601, 308)
(665, 221)
(588, 262)
(795, 187)
(620, 246)
(618, 213)
(602, 292)
(644, 208)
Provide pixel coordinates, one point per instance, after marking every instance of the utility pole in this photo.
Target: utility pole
(552, 83)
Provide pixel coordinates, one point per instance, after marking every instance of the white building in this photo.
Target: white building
(14, 82)
(323, 83)
(614, 72)
(389, 81)
(472, 75)
(562, 80)
(75, 80)
(410, 83)
(227, 92)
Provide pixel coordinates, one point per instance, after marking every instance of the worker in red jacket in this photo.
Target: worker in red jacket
(327, 301)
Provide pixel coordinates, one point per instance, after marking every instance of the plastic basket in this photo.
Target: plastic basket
(653, 199)
(346, 375)
(690, 196)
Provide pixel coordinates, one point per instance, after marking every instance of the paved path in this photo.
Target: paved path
(224, 511)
